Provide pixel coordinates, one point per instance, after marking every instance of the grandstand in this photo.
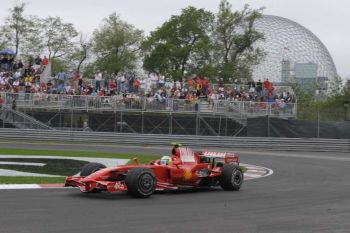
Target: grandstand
(217, 109)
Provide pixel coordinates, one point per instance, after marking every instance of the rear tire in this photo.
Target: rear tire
(231, 178)
(141, 182)
(90, 168)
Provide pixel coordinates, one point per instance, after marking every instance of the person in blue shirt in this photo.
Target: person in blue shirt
(61, 77)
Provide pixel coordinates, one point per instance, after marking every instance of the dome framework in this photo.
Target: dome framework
(286, 40)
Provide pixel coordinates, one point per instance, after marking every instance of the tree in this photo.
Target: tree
(116, 45)
(181, 45)
(234, 37)
(80, 53)
(17, 28)
(58, 37)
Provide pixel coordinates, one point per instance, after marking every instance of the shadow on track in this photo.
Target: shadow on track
(124, 195)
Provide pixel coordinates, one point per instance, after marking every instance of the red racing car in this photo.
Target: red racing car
(185, 169)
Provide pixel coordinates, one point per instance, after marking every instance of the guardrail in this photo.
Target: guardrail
(285, 144)
(118, 103)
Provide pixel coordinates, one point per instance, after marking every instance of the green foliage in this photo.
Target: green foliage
(323, 107)
(193, 42)
(181, 45)
(58, 65)
(234, 36)
(116, 45)
(306, 102)
(33, 42)
(80, 53)
(58, 36)
(17, 28)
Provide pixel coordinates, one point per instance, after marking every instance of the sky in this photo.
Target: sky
(329, 20)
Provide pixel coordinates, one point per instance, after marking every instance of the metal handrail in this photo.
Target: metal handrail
(20, 119)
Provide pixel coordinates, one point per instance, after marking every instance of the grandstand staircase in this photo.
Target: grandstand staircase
(21, 120)
(205, 108)
(232, 112)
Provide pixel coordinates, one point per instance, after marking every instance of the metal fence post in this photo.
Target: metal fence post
(142, 121)
(268, 125)
(115, 121)
(197, 123)
(121, 121)
(318, 122)
(170, 123)
(71, 120)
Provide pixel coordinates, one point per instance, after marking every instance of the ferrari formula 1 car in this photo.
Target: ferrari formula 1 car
(185, 169)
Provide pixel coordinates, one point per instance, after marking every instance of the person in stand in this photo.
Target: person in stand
(259, 88)
(45, 61)
(13, 110)
(136, 85)
(98, 79)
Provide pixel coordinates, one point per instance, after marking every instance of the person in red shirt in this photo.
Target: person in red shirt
(190, 84)
(136, 85)
(45, 61)
(112, 86)
(268, 85)
(205, 86)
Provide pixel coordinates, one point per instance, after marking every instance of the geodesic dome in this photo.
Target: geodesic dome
(288, 40)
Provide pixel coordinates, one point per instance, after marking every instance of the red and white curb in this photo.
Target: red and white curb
(255, 172)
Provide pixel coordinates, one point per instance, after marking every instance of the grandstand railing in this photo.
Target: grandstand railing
(118, 103)
(240, 87)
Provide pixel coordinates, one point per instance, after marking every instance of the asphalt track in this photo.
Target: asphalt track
(308, 192)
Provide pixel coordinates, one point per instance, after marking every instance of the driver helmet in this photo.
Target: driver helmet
(165, 160)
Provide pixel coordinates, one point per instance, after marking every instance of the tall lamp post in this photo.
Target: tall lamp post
(346, 106)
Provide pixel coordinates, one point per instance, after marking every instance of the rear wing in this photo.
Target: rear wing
(228, 157)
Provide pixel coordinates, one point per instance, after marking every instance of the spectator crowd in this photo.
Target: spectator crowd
(22, 78)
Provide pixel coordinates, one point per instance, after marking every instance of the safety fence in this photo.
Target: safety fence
(118, 102)
(91, 138)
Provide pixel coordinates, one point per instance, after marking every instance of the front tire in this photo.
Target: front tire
(90, 168)
(231, 178)
(141, 182)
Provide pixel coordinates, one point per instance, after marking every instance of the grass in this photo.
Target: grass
(42, 180)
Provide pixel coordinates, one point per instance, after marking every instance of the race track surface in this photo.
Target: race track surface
(308, 192)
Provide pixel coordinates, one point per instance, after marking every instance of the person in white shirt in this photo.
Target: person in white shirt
(17, 74)
(161, 81)
(154, 81)
(122, 83)
(213, 99)
(98, 79)
(67, 88)
(143, 86)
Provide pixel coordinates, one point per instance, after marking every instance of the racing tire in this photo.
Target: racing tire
(231, 178)
(90, 168)
(141, 182)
